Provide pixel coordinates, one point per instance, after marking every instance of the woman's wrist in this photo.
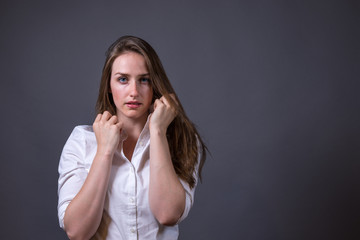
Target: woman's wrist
(158, 131)
(105, 154)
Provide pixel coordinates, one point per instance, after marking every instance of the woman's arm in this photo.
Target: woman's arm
(84, 213)
(166, 194)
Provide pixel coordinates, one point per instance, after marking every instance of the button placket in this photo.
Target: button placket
(132, 204)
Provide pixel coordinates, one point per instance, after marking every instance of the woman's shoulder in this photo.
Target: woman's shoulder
(82, 138)
(83, 128)
(79, 148)
(82, 132)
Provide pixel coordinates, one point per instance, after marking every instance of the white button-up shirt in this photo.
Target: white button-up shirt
(127, 213)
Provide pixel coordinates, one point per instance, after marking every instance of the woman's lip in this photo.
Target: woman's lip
(133, 104)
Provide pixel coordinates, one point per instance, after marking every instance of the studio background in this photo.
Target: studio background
(272, 85)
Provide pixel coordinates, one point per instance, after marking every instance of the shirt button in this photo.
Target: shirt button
(132, 230)
(132, 200)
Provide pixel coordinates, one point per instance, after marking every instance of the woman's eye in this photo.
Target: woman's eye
(122, 79)
(145, 80)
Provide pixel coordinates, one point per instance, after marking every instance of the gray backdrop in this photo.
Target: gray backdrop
(272, 85)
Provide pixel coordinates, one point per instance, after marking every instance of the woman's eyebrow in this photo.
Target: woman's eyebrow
(144, 74)
(119, 73)
(125, 74)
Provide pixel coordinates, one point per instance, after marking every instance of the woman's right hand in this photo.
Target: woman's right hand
(82, 217)
(107, 130)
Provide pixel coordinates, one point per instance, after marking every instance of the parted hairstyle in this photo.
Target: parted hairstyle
(184, 141)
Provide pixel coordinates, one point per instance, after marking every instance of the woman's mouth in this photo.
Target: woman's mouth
(133, 104)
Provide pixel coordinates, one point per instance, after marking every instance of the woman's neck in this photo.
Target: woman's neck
(133, 130)
(133, 127)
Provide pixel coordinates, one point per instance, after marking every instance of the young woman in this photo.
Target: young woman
(133, 173)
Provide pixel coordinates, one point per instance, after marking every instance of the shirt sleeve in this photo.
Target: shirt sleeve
(72, 171)
(190, 192)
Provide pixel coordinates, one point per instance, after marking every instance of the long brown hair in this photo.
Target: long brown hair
(184, 141)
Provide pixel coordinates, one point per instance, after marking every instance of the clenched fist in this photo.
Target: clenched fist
(163, 114)
(107, 130)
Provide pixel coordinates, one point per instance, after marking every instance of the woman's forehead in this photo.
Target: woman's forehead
(130, 63)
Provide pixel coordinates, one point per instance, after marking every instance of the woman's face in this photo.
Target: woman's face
(130, 86)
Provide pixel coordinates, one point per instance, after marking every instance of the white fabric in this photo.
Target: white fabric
(127, 213)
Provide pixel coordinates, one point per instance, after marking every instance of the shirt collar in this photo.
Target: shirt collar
(144, 131)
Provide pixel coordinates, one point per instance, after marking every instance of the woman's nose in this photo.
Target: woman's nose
(134, 89)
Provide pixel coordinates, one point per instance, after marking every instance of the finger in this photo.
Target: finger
(161, 99)
(157, 103)
(119, 125)
(169, 106)
(168, 101)
(165, 101)
(113, 119)
(98, 117)
(106, 116)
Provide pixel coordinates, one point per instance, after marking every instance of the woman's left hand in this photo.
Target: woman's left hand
(167, 196)
(162, 115)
